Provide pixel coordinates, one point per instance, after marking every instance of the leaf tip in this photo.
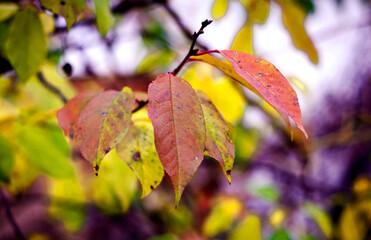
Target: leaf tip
(96, 169)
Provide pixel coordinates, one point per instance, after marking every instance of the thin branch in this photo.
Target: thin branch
(51, 87)
(141, 104)
(179, 22)
(192, 51)
(10, 217)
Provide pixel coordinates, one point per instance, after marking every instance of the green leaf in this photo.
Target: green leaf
(280, 235)
(6, 160)
(103, 123)
(105, 19)
(218, 144)
(69, 9)
(250, 227)
(139, 152)
(45, 148)
(25, 46)
(7, 9)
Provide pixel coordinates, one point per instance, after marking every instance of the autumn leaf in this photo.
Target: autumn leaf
(139, 152)
(261, 77)
(69, 114)
(69, 9)
(250, 226)
(218, 144)
(224, 212)
(103, 123)
(243, 40)
(179, 128)
(219, 8)
(293, 17)
(26, 30)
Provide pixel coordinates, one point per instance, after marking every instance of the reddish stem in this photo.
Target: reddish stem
(206, 52)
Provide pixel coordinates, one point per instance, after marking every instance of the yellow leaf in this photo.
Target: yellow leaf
(115, 186)
(293, 17)
(351, 228)
(139, 152)
(249, 228)
(7, 10)
(243, 40)
(277, 216)
(320, 217)
(48, 22)
(224, 213)
(67, 202)
(219, 8)
(257, 10)
(230, 105)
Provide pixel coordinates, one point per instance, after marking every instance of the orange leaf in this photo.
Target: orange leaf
(179, 128)
(68, 115)
(261, 77)
(103, 123)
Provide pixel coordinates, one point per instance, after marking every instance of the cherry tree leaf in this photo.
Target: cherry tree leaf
(103, 123)
(217, 144)
(69, 114)
(261, 77)
(179, 128)
(139, 152)
(25, 44)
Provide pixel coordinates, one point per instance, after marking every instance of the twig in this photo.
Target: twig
(192, 51)
(140, 105)
(179, 22)
(10, 217)
(51, 87)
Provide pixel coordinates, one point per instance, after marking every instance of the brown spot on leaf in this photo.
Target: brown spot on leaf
(228, 172)
(152, 187)
(136, 156)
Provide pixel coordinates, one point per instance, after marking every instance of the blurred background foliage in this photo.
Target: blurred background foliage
(312, 189)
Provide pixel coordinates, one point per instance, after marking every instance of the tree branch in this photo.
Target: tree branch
(192, 51)
(179, 22)
(51, 87)
(10, 217)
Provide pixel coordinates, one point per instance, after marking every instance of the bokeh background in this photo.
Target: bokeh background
(319, 188)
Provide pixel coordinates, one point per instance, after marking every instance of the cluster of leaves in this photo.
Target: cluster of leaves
(182, 123)
(185, 122)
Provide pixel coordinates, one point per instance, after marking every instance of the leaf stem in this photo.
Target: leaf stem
(10, 217)
(206, 52)
(51, 87)
(192, 51)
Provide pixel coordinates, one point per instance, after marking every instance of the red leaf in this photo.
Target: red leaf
(68, 115)
(103, 123)
(179, 128)
(268, 81)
